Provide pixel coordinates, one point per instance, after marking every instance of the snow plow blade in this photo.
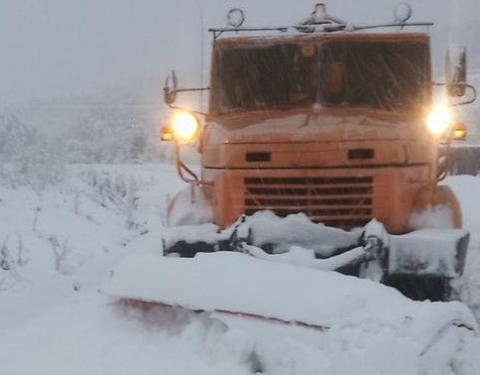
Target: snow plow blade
(229, 285)
(420, 263)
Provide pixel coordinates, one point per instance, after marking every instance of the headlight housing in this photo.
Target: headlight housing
(184, 127)
(438, 120)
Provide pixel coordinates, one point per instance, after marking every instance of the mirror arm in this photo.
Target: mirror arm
(181, 167)
(194, 89)
(180, 108)
(173, 93)
(445, 168)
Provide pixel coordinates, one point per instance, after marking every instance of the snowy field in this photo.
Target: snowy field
(59, 242)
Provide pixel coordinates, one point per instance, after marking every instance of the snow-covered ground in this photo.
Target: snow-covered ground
(59, 243)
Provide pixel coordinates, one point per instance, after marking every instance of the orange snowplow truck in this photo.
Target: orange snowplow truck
(327, 120)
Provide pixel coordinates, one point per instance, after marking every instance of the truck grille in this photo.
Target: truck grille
(344, 202)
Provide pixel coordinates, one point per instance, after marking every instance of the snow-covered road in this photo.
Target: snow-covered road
(59, 245)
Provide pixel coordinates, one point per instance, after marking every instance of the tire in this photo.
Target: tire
(189, 250)
(421, 288)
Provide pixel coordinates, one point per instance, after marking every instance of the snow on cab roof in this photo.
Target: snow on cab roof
(320, 25)
(315, 37)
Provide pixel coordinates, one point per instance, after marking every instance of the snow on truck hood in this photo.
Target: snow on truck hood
(279, 127)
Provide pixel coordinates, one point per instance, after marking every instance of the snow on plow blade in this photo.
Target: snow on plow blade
(428, 252)
(425, 252)
(240, 287)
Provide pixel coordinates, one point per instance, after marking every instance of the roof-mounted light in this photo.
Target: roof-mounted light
(403, 12)
(320, 10)
(235, 18)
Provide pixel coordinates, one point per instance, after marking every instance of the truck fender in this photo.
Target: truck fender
(189, 206)
(436, 207)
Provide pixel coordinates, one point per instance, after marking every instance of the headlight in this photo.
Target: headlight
(185, 127)
(438, 121)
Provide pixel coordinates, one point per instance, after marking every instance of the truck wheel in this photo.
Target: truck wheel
(421, 288)
(184, 249)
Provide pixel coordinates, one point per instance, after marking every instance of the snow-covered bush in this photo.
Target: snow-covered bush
(27, 157)
(111, 135)
(114, 190)
(11, 257)
(16, 138)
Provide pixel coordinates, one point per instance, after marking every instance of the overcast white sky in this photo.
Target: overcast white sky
(70, 47)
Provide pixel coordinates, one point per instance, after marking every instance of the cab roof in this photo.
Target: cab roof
(320, 37)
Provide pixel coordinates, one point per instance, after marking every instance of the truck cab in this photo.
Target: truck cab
(338, 124)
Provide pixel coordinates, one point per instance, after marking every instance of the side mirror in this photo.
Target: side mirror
(170, 88)
(456, 72)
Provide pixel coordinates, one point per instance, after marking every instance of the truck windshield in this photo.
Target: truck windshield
(378, 74)
(274, 76)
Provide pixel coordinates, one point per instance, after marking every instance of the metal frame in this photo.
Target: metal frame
(182, 167)
(174, 92)
(329, 26)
